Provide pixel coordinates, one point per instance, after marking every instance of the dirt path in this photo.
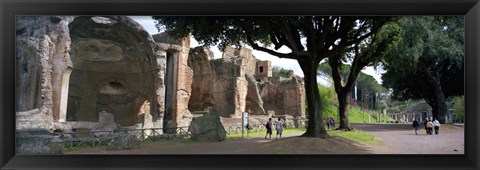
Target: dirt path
(401, 139)
(394, 139)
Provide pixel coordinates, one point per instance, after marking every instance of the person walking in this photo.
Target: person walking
(416, 125)
(430, 127)
(425, 125)
(269, 128)
(328, 122)
(436, 126)
(332, 122)
(278, 127)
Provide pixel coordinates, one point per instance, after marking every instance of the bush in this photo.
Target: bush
(329, 101)
(459, 109)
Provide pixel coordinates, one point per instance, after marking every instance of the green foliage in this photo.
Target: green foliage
(329, 101)
(280, 72)
(330, 108)
(325, 70)
(327, 95)
(356, 115)
(459, 108)
(400, 105)
(428, 45)
(369, 84)
(310, 39)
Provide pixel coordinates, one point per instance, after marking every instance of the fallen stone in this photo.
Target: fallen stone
(123, 140)
(208, 127)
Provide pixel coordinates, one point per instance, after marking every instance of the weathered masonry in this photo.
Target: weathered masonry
(238, 82)
(71, 68)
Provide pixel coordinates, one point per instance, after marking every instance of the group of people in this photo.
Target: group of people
(278, 127)
(330, 122)
(429, 125)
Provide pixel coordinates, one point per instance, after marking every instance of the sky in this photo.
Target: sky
(149, 25)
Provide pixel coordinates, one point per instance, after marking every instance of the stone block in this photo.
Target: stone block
(208, 127)
(106, 124)
(37, 141)
(123, 140)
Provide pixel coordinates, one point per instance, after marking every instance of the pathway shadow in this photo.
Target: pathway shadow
(370, 127)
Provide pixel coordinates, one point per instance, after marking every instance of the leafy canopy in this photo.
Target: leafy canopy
(428, 45)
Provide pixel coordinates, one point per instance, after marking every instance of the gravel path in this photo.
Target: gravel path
(401, 139)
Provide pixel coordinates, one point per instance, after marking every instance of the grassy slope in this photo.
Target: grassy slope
(355, 114)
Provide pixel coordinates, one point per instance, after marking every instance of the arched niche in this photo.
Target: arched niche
(114, 67)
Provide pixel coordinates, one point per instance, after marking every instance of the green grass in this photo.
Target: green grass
(355, 114)
(355, 135)
(262, 133)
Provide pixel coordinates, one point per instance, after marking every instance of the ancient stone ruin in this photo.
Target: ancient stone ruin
(73, 70)
(238, 83)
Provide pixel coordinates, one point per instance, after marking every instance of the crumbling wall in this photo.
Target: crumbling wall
(233, 84)
(220, 83)
(42, 45)
(202, 80)
(284, 96)
(88, 63)
(72, 68)
(182, 79)
(254, 101)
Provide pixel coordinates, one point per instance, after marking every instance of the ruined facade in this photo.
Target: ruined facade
(70, 69)
(238, 83)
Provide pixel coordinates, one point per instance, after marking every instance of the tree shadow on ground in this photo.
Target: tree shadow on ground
(370, 127)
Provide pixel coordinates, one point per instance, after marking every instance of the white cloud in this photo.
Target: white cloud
(147, 23)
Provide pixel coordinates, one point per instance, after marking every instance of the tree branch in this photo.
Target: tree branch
(271, 52)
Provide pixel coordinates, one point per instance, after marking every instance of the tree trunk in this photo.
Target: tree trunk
(342, 93)
(343, 110)
(442, 109)
(315, 124)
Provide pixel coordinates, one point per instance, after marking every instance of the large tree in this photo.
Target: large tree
(309, 38)
(366, 84)
(428, 61)
(346, 65)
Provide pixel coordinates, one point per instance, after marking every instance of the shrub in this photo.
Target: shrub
(459, 109)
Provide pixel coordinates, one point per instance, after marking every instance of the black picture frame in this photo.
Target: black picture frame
(10, 8)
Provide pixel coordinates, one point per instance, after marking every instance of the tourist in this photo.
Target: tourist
(425, 125)
(332, 122)
(436, 125)
(328, 122)
(415, 125)
(429, 127)
(269, 128)
(278, 127)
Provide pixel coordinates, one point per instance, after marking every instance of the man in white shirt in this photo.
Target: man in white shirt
(278, 127)
(436, 126)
